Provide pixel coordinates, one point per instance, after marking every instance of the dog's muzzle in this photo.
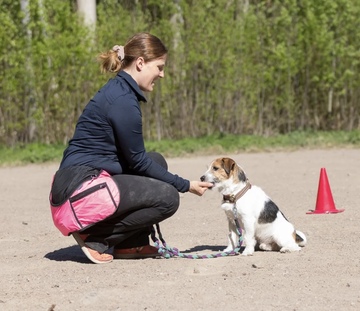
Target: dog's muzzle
(203, 178)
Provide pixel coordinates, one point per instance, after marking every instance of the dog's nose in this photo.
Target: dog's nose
(202, 178)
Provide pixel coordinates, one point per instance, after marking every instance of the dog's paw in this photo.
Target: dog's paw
(287, 249)
(228, 249)
(265, 247)
(247, 252)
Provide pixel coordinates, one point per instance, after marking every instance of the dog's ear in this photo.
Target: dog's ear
(228, 165)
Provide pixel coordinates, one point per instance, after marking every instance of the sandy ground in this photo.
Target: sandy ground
(43, 270)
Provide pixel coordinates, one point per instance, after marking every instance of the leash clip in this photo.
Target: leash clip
(232, 198)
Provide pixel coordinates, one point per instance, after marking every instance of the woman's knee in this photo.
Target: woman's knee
(171, 201)
(158, 158)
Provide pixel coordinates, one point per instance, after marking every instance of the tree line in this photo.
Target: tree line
(234, 66)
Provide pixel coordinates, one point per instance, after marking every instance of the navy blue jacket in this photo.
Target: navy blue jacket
(109, 136)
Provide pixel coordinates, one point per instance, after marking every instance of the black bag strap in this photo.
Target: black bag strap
(67, 180)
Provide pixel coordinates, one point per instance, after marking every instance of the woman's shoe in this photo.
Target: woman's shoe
(140, 252)
(92, 254)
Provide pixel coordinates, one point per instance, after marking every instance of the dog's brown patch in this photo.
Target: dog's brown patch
(221, 169)
(224, 168)
(228, 165)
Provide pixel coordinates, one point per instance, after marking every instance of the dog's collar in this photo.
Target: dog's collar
(232, 198)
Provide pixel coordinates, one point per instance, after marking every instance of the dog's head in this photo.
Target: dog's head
(224, 173)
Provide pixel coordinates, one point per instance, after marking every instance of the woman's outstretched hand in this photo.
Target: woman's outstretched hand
(199, 187)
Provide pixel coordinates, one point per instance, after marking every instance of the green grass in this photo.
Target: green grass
(216, 144)
(220, 144)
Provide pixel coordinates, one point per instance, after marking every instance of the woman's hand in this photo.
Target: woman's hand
(199, 187)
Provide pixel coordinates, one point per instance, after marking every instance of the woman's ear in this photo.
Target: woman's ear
(139, 63)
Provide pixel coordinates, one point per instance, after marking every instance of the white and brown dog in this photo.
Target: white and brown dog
(263, 223)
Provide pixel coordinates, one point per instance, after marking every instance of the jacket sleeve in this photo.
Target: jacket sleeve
(126, 120)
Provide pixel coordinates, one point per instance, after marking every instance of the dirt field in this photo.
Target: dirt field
(43, 270)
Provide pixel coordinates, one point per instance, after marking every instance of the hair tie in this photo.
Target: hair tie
(119, 49)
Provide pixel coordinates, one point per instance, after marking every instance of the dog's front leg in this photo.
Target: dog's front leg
(233, 237)
(249, 237)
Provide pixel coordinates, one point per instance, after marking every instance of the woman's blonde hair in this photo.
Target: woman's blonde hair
(142, 44)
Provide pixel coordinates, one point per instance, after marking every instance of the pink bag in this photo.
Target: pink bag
(94, 200)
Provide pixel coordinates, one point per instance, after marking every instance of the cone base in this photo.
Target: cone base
(325, 212)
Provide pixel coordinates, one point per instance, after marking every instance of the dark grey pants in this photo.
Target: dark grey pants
(144, 202)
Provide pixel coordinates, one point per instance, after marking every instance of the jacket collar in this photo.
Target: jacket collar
(129, 79)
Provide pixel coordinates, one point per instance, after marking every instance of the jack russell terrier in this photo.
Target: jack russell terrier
(264, 225)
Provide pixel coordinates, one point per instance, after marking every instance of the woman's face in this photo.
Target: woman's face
(150, 72)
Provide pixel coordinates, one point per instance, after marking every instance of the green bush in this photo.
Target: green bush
(269, 68)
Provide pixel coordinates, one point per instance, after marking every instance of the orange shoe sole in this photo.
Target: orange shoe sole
(92, 254)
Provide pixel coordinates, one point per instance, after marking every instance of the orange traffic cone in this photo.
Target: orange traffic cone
(324, 201)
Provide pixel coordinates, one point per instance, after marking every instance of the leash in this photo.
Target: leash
(170, 252)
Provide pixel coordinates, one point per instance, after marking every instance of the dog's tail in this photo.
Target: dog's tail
(300, 238)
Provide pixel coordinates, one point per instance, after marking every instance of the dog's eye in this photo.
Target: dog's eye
(215, 168)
